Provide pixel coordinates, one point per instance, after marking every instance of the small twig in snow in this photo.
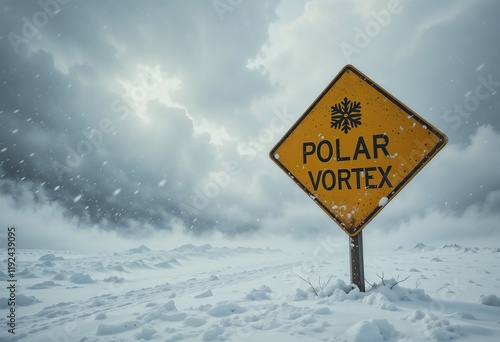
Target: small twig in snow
(382, 278)
(398, 281)
(309, 282)
(327, 282)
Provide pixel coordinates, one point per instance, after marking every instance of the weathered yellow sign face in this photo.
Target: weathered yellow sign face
(355, 148)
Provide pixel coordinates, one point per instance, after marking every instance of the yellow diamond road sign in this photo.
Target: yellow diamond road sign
(355, 148)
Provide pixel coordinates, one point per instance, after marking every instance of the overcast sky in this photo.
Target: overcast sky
(125, 118)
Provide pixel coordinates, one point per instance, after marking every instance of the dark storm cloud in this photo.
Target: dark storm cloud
(96, 169)
(67, 126)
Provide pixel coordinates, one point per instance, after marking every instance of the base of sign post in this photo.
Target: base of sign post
(357, 265)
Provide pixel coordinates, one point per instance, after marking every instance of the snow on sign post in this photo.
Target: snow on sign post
(353, 150)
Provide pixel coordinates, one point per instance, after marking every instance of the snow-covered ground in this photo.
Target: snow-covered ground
(207, 293)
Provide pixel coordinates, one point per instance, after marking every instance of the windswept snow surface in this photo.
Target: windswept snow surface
(206, 293)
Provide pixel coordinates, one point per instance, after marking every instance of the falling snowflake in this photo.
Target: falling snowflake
(346, 115)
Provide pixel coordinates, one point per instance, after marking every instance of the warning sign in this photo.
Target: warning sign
(355, 148)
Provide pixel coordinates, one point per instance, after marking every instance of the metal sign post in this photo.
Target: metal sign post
(357, 265)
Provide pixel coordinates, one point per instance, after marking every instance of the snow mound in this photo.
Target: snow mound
(170, 306)
(118, 268)
(146, 333)
(395, 293)
(57, 310)
(81, 278)
(212, 333)
(173, 261)
(97, 267)
(421, 247)
(60, 276)
(205, 294)
(114, 279)
(162, 314)
(338, 290)
(379, 301)
(194, 322)
(185, 248)
(458, 248)
(260, 294)
(224, 310)
(26, 273)
(433, 327)
(464, 315)
(104, 329)
(323, 311)
(490, 300)
(383, 296)
(50, 256)
(43, 285)
(137, 264)
(164, 264)
(46, 263)
(140, 249)
(101, 316)
(372, 330)
(21, 300)
(192, 249)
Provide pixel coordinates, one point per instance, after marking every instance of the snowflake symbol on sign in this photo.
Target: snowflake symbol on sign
(346, 115)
